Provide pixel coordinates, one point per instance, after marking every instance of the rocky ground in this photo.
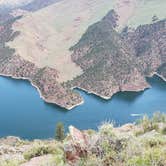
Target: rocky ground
(141, 144)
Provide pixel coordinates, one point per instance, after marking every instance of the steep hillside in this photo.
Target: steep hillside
(80, 47)
(44, 79)
(115, 62)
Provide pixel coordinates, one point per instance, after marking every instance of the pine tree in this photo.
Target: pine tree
(60, 132)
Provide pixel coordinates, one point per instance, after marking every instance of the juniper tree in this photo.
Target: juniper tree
(60, 131)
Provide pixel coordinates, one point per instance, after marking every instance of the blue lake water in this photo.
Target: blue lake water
(24, 114)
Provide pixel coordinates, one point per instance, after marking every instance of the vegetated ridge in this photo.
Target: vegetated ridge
(114, 62)
(111, 61)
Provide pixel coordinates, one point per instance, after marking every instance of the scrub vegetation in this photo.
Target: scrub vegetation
(140, 144)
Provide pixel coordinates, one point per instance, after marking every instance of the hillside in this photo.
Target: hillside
(114, 62)
(78, 47)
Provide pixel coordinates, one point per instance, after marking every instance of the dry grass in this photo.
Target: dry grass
(125, 10)
(145, 10)
(47, 35)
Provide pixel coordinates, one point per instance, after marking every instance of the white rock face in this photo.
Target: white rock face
(14, 3)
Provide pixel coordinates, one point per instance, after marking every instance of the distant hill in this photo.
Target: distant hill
(14, 3)
(38, 4)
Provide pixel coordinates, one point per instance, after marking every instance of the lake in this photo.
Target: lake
(24, 114)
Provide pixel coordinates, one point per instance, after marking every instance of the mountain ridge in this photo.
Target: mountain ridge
(111, 61)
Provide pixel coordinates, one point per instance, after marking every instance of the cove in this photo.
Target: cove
(24, 114)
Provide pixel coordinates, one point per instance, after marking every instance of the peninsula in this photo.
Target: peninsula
(91, 45)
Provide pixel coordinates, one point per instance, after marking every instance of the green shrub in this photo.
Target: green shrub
(154, 141)
(91, 132)
(91, 160)
(138, 161)
(60, 132)
(163, 131)
(106, 129)
(39, 150)
(10, 163)
(151, 157)
(147, 124)
(159, 117)
(59, 157)
(138, 132)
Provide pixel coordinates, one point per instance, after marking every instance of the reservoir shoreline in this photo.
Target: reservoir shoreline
(88, 92)
(15, 118)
